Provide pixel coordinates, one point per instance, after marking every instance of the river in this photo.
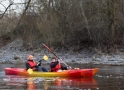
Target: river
(107, 78)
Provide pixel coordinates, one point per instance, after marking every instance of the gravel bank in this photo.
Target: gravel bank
(12, 53)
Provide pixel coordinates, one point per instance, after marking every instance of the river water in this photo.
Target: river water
(107, 78)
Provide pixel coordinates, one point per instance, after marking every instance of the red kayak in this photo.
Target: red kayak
(66, 73)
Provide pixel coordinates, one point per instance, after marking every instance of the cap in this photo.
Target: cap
(30, 57)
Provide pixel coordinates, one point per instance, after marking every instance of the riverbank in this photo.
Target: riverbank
(13, 53)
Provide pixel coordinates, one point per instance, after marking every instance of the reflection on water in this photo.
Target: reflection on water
(14, 82)
(48, 83)
(75, 83)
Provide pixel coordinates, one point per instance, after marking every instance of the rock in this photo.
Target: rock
(97, 59)
(1, 54)
(73, 60)
(11, 54)
(112, 59)
(17, 57)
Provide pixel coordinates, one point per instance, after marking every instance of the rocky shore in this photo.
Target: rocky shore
(12, 53)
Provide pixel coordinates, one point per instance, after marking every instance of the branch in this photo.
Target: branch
(5, 10)
(2, 5)
(23, 13)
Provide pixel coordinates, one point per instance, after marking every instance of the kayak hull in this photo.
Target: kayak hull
(67, 73)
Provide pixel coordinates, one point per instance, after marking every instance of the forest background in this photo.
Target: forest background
(64, 25)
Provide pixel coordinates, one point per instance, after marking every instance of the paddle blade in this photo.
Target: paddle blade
(45, 57)
(30, 71)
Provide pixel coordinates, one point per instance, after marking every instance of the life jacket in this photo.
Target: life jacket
(56, 68)
(32, 64)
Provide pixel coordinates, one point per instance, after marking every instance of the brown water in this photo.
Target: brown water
(107, 78)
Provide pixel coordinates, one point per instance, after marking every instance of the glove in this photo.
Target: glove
(38, 64)
(68, 67)
(60, 60)
(40, 61)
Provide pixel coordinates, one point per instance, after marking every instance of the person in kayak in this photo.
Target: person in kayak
(56, 66)
(33, 65)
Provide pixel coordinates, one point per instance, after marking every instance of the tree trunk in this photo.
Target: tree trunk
(111, 17)
(85, 18)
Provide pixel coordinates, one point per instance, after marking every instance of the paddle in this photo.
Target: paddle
(30, 71)
(44, 58)
(54, 54)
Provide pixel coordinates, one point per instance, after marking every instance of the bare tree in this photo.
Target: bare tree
(6, 8)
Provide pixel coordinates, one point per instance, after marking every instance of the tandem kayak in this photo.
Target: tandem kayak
(67, 73)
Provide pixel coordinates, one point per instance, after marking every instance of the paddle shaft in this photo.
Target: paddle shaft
(53, 53)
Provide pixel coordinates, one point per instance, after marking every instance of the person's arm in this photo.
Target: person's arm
(39, 63)
(27, 66)
(52, 65)
(64, 67)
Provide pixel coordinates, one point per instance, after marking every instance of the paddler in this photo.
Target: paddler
(33, 65)
(56, 66)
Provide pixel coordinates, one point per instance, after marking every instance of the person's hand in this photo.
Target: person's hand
(68, 67)
(60, 60)
(35, 66)
(38, 64)
(40, 61)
